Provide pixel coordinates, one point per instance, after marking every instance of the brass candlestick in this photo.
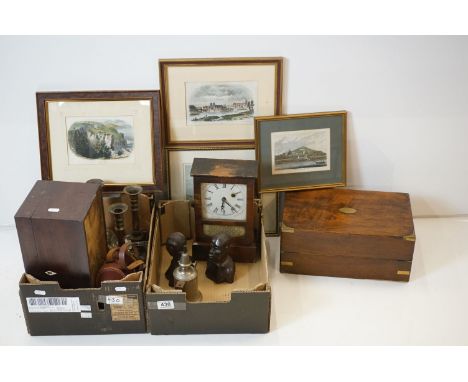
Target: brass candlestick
(134, 192)
(118, 210)
(100, 182)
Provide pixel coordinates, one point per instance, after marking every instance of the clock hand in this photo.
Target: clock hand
(224, 200)
(222, 204)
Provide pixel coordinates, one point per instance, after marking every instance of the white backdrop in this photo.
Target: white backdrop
(407, 99)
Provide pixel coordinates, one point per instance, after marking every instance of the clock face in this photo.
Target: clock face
(224, 201)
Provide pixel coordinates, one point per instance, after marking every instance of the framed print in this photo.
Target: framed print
(213, 102)
(110, 135)
(181, 183)
(301, 151)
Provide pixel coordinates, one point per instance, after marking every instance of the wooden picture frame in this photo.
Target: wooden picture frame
(74, 125)
(211, 102)
(301, 151)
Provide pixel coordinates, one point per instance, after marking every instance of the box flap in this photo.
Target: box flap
(175, 215)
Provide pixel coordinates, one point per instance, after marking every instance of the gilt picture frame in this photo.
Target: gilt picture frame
(212, 102)
(301, 151)
(110, 135)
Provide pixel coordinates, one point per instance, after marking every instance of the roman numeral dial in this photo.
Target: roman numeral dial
(224, 201)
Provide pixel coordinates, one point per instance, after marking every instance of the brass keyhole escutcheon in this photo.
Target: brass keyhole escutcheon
(347, 210)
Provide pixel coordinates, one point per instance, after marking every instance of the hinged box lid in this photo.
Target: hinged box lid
(58, 201)
(349, 212)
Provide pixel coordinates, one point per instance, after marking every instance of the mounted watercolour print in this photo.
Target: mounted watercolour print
(113, 136)
(99, 138)
(213, 102)
(220, 102)
(301, 151)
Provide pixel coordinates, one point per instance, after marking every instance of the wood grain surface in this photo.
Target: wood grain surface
(348, 233)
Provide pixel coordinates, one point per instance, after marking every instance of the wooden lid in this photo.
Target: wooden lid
(58, 200)
(351, 212)
(225, 168)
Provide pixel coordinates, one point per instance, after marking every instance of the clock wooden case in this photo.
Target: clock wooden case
(225, 196)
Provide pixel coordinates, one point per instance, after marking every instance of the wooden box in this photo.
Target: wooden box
(62, 233)
(347, 233)
(240, 307)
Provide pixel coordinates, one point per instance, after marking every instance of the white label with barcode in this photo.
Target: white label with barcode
(117, 300)
(169, 304)
(53, 304)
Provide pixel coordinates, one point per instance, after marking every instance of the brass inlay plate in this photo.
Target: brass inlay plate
(285, 228)
(231, 230)
(403, 273)
(287, 263)
(347, 210)
(409, 237)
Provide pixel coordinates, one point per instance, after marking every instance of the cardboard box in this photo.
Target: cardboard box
(241, 307)
(114, 307)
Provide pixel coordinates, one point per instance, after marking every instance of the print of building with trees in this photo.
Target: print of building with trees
(225, 112)
(301, 157)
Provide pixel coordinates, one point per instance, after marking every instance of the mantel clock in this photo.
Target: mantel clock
(225, 196)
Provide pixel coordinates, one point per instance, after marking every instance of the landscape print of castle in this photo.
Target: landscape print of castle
(221, 102)
(300, 151)
(100, 138)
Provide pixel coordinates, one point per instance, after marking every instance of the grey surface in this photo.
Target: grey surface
(429, 310)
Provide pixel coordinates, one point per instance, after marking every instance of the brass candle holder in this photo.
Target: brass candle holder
(133, 192)
(118, 210)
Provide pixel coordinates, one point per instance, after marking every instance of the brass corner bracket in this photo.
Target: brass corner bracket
(410, 237)
(286, 229)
